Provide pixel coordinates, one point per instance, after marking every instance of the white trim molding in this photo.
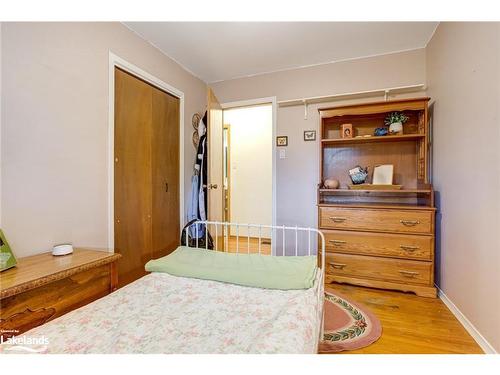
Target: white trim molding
(116, 61)
(476, 335)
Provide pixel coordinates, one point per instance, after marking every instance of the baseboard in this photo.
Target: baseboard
(476, 335)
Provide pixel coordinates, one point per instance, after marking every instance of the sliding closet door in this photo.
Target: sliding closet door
(133, 177)
(165, 167)
(147, 223)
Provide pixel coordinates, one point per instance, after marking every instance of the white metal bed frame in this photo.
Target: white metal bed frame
(227, 226)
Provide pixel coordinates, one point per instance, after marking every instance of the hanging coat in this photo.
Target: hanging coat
(198, 202)
(202, 160)
(193, 205)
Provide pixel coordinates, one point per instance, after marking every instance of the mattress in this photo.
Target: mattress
(161, 313)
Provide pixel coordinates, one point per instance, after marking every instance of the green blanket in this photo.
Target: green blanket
(261, 271)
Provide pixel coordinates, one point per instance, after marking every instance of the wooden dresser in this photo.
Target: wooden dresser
(378, 238)
(43, 287)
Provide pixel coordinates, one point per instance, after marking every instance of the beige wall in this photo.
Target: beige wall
(463, 70)
(297, 175)
(55, 127)
(1, 124)
(54, 123)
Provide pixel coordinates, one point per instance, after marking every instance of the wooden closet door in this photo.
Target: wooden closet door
(165, 168)
(133, 177)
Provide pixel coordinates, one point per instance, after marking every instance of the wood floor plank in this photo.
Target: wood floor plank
(248, 245)
(410, 324)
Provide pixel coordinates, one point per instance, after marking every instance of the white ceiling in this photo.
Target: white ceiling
(223, 50)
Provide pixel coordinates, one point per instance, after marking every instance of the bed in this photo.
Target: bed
(195, 310)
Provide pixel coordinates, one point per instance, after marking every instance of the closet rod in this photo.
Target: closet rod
(351, 95)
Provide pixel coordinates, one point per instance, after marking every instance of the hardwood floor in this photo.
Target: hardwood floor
(245, 245)
(410, 324)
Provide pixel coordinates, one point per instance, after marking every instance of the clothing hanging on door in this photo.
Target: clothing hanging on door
(198, 201)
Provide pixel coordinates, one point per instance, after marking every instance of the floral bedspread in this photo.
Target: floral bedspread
(160, 313)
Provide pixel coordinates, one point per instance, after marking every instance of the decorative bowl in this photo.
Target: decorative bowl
(381, 131)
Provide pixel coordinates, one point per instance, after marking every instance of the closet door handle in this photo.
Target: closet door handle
(409, 223)
(337, 242)
(409, 248)
(212, 186)
(166, 187)
(337, 219)
(410, 274)
(338, 266)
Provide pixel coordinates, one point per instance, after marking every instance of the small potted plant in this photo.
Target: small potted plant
(395, 121)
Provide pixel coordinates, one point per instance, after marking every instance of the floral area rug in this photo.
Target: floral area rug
(348, 325)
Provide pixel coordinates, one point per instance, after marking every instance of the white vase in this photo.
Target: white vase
(396, 128)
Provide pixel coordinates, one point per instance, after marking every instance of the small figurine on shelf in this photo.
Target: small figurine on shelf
(331, 184)
(381, 132)
(358, 175)
(395, 121)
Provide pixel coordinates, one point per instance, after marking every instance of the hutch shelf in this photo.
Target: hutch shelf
(378, 238)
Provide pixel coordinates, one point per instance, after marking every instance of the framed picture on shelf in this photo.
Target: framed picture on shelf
(282, 141)
(383, 174)
(346, 131)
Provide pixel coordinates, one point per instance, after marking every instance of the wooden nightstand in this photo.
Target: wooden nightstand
(43, 287)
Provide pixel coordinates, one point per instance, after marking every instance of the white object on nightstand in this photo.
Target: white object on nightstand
(62, 249)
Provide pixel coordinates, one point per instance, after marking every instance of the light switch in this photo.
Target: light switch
(282, 153)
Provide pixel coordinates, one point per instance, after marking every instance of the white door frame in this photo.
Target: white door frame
(247, 103)
(116, 61)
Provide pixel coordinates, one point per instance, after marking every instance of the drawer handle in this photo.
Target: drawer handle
(409, 248)
(337, 219)
(337, 242)
(338, 266)
(409, 273)
(409, 223)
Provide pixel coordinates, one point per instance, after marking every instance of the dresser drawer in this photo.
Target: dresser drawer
(43, 287)
(404, 221)
(380, 244)
(385, 269)
(27, 310)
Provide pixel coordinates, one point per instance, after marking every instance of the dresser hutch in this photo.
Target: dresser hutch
(378, 238)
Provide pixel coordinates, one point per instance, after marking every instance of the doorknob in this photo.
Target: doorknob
(212, 186)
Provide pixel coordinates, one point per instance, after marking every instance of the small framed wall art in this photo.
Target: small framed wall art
(282, 141)
(309, 135)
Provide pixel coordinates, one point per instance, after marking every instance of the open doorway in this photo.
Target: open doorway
(248, 169)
